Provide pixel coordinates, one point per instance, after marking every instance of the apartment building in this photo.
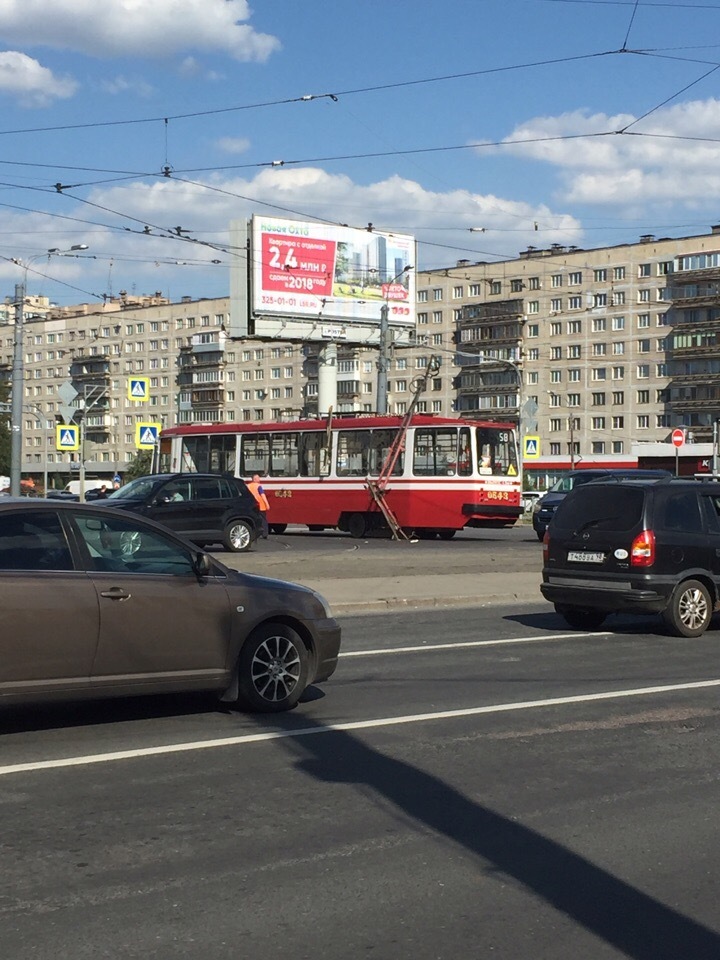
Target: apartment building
(600, 349)
(593, 350)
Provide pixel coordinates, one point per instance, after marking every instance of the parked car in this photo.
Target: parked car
(99, 603)
(544, 509)
(636, 546)
(204, 507)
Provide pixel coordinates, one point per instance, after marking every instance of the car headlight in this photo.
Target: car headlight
(323, 603)
(538, 505)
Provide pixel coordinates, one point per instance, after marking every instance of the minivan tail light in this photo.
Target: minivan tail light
(642, 551)
(546, 545)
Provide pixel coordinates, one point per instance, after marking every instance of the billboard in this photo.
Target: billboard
(309, 271)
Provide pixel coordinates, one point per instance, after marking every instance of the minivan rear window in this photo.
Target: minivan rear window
(599, 507)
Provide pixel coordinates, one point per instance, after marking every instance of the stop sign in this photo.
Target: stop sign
(678, 437)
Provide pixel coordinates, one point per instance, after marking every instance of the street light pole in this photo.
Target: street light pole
(383, 362)
(18, 374)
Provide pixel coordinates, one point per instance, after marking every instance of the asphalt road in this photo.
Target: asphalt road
(471, 783)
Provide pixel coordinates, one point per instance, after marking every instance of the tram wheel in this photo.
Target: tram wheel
(356, 525)
(446, 533)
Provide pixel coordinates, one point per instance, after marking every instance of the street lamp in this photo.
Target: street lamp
(383, 363)
(17, 367)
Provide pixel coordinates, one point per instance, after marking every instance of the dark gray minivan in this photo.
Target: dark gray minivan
(636, 546)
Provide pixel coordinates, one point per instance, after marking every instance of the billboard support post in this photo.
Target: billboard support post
(327, 379)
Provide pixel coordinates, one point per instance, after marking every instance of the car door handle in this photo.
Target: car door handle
(116, 593)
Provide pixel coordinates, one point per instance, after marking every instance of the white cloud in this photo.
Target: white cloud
(648, 164)
(120, 85)
(32, 84)
(233, 144)
(126, 28)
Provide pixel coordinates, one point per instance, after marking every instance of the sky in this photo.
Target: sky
(481, 127)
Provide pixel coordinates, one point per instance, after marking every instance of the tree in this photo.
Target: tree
(140, 465)
(5, 435)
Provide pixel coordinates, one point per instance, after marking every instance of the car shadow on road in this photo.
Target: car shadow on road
(615, 623)
(634, 923)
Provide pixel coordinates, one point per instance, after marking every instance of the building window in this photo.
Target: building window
(618, 423)
(533, 330)
(598, 399)
(556, 280)
(599, 324)
(600, 276)
(644, 270)
(598, 446)
(574, 351)
(618, 446)
(618, 398)
(618, 373)
(643, 346)
(573, 399)
(533, 306)
(457, 293)
(556, 304)
(618, 348)
(599, 373)
(643, 422)
(422, 318)
(437, 316)
(599, 300)
(575, 279)
(643, 320)
(534, 283)
(618, 273)
(574, 303)
(574, 375)
(643, 371)
(574, 326)
(599, 349)
(495, 287)
(598, 423)
(643, 396)
(516, 286)
(555, 376)
(643, 296)
(437, 293)
(422, 296)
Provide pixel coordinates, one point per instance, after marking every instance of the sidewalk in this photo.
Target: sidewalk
(382, 594)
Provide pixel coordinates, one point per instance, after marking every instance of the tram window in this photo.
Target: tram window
(222, 454)
(435, 452)
(496, 451)
(283, 455)
(379, 450)
(313, 454)
(351, 457)
(195, 455)
(254, 454)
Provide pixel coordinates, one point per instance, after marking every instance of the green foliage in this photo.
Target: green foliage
(140, 465)
(5, 436)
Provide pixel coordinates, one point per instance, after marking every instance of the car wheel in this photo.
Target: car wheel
(690, 609)
(356, 525)
(272, 669)
(278, 527)
(130, 542)
(580, 619)
(238, 536)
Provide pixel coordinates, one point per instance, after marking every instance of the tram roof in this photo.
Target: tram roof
(321, 423)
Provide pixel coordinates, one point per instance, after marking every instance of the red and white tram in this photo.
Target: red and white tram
(449, 473)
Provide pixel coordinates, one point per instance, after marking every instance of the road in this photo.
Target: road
(471, 783)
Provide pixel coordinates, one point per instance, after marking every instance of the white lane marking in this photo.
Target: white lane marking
(467, 643)
(354, 725)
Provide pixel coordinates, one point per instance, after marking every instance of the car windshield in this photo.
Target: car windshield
(135, 490)
(566, 484)
(606, 508)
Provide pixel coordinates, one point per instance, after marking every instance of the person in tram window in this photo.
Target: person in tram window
(256, 489)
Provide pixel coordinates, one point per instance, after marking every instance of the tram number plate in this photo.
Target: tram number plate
(577, 556)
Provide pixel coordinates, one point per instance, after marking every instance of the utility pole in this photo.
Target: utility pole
(18, 389)
(571, 428)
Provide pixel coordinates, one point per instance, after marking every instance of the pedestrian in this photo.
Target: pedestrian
(256, 489)
(102, 493)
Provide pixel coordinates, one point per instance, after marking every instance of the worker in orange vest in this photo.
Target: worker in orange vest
(256, 489)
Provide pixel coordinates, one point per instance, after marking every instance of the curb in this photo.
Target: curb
(395, 604)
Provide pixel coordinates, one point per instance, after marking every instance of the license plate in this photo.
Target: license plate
(577, 556)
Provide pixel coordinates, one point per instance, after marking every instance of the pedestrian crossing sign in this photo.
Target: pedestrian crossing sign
(531, 448)
(67, 437)
(146, 435)
(139, 389)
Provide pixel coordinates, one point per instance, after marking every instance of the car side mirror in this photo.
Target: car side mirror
(202, 565)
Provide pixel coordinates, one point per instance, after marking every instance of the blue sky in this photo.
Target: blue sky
(417, 137)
